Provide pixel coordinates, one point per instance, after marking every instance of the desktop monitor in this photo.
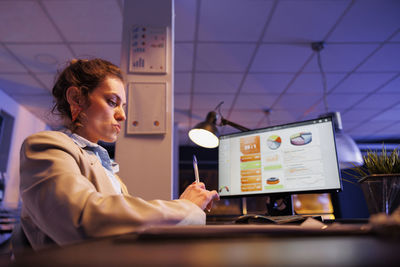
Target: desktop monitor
(6, 128)
(292, 158)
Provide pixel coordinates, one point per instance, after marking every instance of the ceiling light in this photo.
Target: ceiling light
(349, 155)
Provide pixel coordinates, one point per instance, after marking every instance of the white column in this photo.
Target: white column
(146, 160)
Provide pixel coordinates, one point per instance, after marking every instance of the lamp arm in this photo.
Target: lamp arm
(234, 125)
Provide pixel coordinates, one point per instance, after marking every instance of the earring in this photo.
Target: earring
(75, 110)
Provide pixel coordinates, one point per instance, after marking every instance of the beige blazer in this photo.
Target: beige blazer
(67, 196)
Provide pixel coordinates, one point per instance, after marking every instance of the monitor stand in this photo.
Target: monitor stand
(275, 205)
(279, 211)
(279, 205)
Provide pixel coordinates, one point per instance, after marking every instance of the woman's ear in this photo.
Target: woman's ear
(74, 96)
(75, 101)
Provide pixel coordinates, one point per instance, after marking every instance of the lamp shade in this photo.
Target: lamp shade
(205, 134)
(349, 154)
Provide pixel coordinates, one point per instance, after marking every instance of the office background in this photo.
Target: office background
(255, 55)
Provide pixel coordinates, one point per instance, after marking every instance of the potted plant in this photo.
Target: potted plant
(379, 178)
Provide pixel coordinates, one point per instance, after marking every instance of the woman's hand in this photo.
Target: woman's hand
(199, 195)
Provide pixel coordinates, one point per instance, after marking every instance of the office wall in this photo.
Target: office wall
(25, 124)
(146, 160)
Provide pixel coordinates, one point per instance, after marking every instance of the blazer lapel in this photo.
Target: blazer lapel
(97, 175)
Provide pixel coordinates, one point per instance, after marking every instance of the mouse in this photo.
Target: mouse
(253, 219)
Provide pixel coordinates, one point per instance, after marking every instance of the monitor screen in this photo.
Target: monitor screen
(6, 128)
(298, 157)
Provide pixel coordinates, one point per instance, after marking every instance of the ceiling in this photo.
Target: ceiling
(255, 55)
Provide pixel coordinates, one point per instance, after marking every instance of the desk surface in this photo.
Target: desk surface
(224, 245)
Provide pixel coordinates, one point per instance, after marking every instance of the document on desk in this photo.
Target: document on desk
(219, 231)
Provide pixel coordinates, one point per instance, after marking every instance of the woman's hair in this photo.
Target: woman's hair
(86, 75)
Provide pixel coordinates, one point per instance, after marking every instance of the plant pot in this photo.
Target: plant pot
(381, 192)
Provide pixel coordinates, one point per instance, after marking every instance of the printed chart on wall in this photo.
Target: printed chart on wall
(294, 158)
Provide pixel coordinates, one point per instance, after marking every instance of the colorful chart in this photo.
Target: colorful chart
(274, 142)
(301, 139)
(273, 180)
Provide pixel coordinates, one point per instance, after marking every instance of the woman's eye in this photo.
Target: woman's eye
(112, 103)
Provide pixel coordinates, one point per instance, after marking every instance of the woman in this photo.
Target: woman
(69, 187)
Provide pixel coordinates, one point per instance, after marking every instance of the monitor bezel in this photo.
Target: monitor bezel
(284, 194)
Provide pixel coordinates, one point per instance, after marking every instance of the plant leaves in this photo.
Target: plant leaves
(378, 162)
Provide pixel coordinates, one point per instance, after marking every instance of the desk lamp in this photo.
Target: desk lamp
(205, 133)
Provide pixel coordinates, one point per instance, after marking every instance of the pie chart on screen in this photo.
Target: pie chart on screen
(274, 142)
(301, 139)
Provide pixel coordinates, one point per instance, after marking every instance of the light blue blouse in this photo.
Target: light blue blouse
(110, 166)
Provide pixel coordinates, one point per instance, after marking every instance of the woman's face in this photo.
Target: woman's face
(105, 112)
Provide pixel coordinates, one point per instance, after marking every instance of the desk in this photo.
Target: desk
(226, 245)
